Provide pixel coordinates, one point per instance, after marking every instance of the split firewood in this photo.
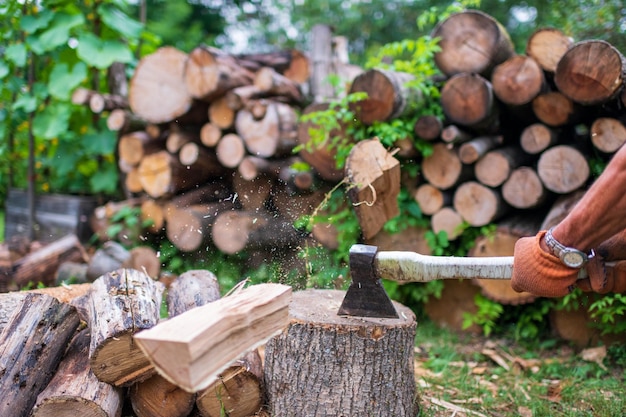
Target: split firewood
(444, 169)
(32, 343)
(467, 99)
(518, 80)
(547, 46)
(607, 134)
(323, 347)
(157, 91)
(471, 42)
(42, 264)
(210, 72)
(373, 175)
(577, 75)
(157, 396)
(563, 169)
(75, 390)
(537, 137)
(237, 392)
(122, 303)
(235, 231)
(478, 204)
(388, 95)
(273, 136)
(214, 335)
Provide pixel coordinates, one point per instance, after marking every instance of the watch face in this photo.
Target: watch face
(573, 259)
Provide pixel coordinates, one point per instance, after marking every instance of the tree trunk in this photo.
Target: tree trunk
(209, 73)
(157, 91)
(471, 42)
(563, 169)
(334, 357)
(467, 99)
(122, 303)
(373, 176)
(607, 134)
(518, 80)
(477, 204)
(579, 78)
(32, 344)
(388, 96)
(75, 391)
(41, 265)
(547, 46)
(524, 189)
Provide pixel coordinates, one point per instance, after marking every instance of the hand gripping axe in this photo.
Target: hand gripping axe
(366, 296)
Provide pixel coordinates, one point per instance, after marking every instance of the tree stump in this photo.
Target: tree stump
(321, 361)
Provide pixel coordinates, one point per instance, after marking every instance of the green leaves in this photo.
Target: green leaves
(63, 80)
(52, 121)
(120, 22)
(102, 53)
(16, 54)
(57, 34)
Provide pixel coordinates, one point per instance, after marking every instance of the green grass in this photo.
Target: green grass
(497, 377)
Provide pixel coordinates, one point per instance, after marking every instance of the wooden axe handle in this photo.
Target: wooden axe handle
(406, 267)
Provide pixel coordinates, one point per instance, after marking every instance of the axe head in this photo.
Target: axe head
(366, 296)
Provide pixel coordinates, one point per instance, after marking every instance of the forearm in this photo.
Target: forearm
(601, 213)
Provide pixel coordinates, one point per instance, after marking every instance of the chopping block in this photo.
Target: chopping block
(327, 365)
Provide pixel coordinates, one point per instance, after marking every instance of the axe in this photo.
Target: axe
(366, 296)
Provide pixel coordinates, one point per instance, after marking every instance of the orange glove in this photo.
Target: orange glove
(539, 272)
(603, 279)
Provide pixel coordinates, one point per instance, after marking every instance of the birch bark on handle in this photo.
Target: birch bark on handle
(404, 267)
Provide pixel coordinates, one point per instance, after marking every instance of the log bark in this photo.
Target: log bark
(41, 265)
(373, 176)
(157, 91)
(524, 189)
(238, 391)
(210, 72)
(356, 354)
(162, 174)
(210, 337)
(547, 46)
(477, 204)
(193, 288)
(467, 99)
(444, 169)
(122, 303)
(32, 344)
(273, 136)
(578, 76)
(388, 95)
(75, 391)
(563, 169)
(472, 42)
(537, 137)
(607, 134)
(518, 80)
(236, 231)
(497, 165)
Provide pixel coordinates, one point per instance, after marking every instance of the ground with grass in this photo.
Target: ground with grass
(463, 374)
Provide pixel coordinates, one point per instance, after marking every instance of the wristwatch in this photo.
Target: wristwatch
(571, 257)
